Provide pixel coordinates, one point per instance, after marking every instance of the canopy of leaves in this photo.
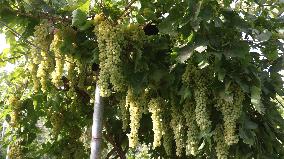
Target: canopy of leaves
(234, 44)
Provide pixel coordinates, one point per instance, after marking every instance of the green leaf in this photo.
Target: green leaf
(256, 99)
(185, 52)
(79, 18)
(85, 7)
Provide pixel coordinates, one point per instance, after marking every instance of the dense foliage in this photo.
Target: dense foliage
(179, 78)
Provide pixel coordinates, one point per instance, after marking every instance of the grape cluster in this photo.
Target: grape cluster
(56, 120)
(15, 151)
(167, 140)
(15, 104)
(46, 64)
(156, 108)
(40, 37)
(201, 112)
(188, 75)
(109, 38)
(201, 78)
(135, 110)
(82, 74)
(231, 112)
(33, 67)
(33, 71)
(71, 74)
(41, 34)
(192, 129)
(59, 61)
(222, 149)
(177, 125)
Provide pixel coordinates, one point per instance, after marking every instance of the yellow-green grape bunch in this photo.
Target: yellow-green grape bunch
(176, 124)
(156, 108)
(167, 138)
(71, 73)
(59, 61)
(222, 149)
(200, 96)
(109, 39)
(192, 129)
(57, 122)
(33, 67)
(188, 75)
(42, 74)
(82, 74)
(15, 151)
(40, 36)
(135, 111)
(15, 104)
(231, 112)
(33, 71)
(98, 18)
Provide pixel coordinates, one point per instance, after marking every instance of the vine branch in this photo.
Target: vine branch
(127, 7)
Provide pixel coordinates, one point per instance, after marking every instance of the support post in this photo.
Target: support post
(97, 125)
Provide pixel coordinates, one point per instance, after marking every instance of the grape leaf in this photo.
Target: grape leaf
(79, 18)
(256, 99)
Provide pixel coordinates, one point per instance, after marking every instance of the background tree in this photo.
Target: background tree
(180, 79)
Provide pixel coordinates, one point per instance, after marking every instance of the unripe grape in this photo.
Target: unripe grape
(192, 129)
(135, 111)
(177, 125)
(59, 61)
(222, 149)
(156, 108)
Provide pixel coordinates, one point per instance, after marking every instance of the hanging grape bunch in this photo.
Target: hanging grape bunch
(109, 38)
(15, 104)
(59, 60)
(156, 109)
(46, 63)
(192, 129)
(133, 103)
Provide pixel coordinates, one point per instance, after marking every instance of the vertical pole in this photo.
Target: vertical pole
(97, 126)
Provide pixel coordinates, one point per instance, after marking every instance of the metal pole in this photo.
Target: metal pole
(97, 125)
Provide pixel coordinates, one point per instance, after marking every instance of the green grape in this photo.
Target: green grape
(56, 120)
(33, 71)
(202, 115)
(231, 112)
(135, 111)
(15, 104)
(177, 125)
(201, 99)
(192, 129)
(109, 39)
(42, 74)
(167, 138)
(188, 75)
(16, 151)
(41, 34)
(71, 74)
(222, 149)
(82, 74)
(156, 108)
(46, 64)
(59, 61)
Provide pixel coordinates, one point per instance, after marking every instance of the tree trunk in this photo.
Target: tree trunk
(97, 126)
